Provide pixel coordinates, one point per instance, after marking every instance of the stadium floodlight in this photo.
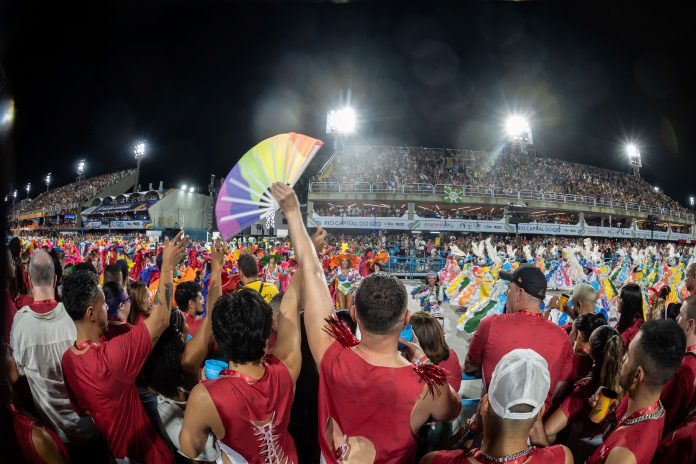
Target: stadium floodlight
(691, 201)
(139, 149)
(14, 194)
(183, 187)
(341, 121)
(191, 189)
(81, 167)
(656, 188)
(48, 180)
(516, 126)
(28, 188)
(634, 158)
(8, 114)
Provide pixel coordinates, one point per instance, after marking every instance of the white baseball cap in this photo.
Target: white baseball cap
(521, 377)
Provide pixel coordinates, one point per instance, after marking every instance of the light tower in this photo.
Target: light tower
(139, 152)
(519, 133)
(47, 180)
(81, 168)
(634, 158)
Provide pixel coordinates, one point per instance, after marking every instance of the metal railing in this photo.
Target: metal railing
(492, 192)
(411, 267)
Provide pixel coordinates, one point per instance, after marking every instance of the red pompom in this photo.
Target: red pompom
(431, 375)
(340, 331)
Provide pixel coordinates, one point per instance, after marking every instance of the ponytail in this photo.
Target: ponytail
(610, 370)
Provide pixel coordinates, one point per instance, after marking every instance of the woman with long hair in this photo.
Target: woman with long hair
(431, 338)
(606, 351)
(583, 327)
(630, 309)
(140, 302)
(346, 279)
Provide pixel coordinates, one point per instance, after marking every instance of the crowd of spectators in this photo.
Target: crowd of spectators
(395, 166)
(77, 192)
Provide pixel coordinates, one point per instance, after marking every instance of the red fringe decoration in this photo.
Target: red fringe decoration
(340, 332)
(431, 375)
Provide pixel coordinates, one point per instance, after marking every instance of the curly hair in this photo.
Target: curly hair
(242, 325)
(162, 369)
(380, 303)
(80, 289)
(185, 292)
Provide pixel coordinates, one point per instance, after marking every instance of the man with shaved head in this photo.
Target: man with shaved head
(41, 332)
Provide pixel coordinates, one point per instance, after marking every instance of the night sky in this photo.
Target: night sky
(203, 82)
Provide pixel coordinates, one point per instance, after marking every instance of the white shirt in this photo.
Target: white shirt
(171, 415)
(38, 342)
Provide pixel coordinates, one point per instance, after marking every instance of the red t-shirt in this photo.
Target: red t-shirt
(581, 366)
(101, 382)
(23, 300)
(23, 429)
(630, 332)
(678, 393)
(499, 334)
(193, 323)
(678, 446)
(577, 409)
(10, 311)
(454, 370)
(365, 410)
(256, 414)
(116, 329)
(552, 455)
(641, 439)
(140, 317)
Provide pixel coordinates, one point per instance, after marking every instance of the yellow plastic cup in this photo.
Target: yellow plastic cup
(606, 399)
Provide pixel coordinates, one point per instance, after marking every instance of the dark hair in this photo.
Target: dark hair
(606, 351)
(86, 266)
(344, 315)
(586, 324)
(275, 302)
(162, 369)
(79, 292)
(247, 266)
(661, 348)
(113, 294)
(631, 299)
(136, 292)
(431, 336)
(380, 302)
(672, 311)
(185, 292)
(111, 272)
(242, 325)
(123, 265)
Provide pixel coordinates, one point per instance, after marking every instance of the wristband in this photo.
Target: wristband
(423, 360)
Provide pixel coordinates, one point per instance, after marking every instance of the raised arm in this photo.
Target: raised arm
(287, 347)
(172, 253)
(315, 293)
(198, 347)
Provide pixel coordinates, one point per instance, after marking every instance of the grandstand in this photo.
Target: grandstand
(472, 191)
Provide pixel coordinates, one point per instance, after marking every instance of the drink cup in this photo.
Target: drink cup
(606, 399)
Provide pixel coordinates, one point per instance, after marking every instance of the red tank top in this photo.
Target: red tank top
(365, 410)
(23, 430)
(256, 414)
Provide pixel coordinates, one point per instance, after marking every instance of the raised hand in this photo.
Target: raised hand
(319, 239)
(285, 196)
(174, 250)
(217, 252)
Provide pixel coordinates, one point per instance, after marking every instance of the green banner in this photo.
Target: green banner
(454, 195)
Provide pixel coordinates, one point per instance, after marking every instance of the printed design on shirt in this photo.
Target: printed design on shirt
(267, 437)
(357, 450)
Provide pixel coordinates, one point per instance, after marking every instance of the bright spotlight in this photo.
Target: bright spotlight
(656, 188)
(632, 151)
(341, 121)
(8, 113)
(691, 201)
(139, 150)
(183, 187)
(191, 190)
(516, 126)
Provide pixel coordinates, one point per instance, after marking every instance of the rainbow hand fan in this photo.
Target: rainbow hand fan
(245, 196)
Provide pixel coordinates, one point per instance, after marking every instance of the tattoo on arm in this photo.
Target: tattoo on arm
(167, 293)
(157, 301)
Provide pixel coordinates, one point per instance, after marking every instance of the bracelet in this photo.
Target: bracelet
(423, 360)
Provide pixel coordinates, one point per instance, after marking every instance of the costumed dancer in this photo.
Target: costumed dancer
(346, 278)
(430, 296)
(271, 269)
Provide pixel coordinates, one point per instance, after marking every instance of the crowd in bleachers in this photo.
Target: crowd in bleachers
(396, 166)
(76, 192)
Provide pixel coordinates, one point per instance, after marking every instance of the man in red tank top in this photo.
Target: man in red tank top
(652, 359)
(678, 395)
(508, 411)
(248, 406)
(372, 401)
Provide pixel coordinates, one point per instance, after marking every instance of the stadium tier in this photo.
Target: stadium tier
(471, 191)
